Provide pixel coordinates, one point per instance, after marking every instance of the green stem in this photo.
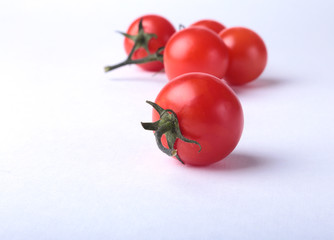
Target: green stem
(132, 52)
(150, 58)
(110, 68)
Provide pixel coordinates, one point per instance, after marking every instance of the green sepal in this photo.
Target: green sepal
(168, 125)
(141, 39)
(151, 126)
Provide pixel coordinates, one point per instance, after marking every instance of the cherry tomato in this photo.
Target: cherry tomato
(208, 112)
(215, 26)
(195, 49)
(247, 55)
(152, 24)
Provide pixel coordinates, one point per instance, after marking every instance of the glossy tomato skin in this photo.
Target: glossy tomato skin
(208, 112)
(215, 26)
(151, 24)
(195, 49)
(247, 52)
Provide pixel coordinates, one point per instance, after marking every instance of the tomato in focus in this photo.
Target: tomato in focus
(208, 112)
(247, 55)
(215, 26)
(151, 24)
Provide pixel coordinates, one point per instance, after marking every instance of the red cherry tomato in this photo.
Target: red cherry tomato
(195, 49)
(151, 24)
(215, 26)
(208, 112)
(247, 55)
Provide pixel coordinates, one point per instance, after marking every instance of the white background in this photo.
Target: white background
(76, 164)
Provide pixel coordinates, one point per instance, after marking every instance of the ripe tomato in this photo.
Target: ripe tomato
(215, 26)
(195, 49)
(208, 112)
(247, 55)
(152, 24)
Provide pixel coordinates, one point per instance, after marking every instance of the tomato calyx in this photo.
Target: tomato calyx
(141, 40)
(168, 124)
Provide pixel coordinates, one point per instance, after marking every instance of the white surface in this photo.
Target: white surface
(76, 164)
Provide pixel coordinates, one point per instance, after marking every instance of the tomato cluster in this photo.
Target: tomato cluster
(197, 117)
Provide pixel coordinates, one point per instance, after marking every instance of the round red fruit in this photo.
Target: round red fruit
(208, 112)
(195, 49)
(247, 55)
(215, 26)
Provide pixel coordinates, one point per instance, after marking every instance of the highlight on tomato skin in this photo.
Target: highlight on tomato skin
(208, 112)
(215, 26)
(247, 55)
(195, 49)
(152, 24)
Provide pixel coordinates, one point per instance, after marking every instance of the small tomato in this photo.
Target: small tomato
(152, 24)
(195, 49)
(247, 55)
(197, 111)
(215, 26)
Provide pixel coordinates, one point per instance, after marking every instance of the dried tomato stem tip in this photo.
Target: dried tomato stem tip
(168, 124)
(141, 40)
